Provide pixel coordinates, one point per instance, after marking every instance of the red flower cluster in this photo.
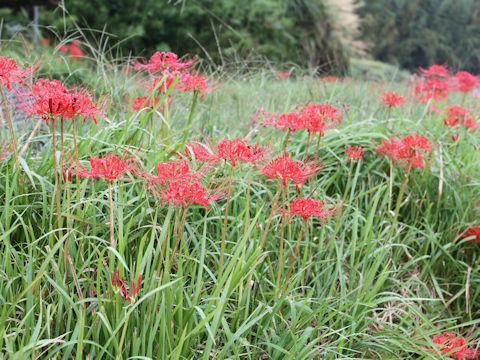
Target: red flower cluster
(286, 169)
(308, 208)
(145, 102)
(11, 73)
(72, 49)
(435, 89)
(392, 99)
(198, 151)
(329, 78)
(50, 98)
(118, 282)
(108, 168)
(314, 118)
(173, 171)
(435, 71)
(472, 232)
(184, 192)
(238, 150)
(283, 75)
(464, 82)
(410, 150)
(165, 61)
(454, 346)
(354, 153)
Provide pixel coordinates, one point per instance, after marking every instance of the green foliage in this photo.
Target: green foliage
(296, 31)
(421, 33)
(355, 292)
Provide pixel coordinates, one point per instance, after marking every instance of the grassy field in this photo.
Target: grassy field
(367, 284)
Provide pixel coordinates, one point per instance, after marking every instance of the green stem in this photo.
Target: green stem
(113, 243)
(280, 255)
(179, 234)
(58, 184)
(294, 257)
(225, 220)
(344, 197)
(190, 115)
(247, 206)
(13, 140)
(400, 196)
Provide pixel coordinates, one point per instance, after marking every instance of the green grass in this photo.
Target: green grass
(355, 292)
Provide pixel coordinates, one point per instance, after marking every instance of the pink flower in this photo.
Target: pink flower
(198, 151)
(435, 89)
(354, 153)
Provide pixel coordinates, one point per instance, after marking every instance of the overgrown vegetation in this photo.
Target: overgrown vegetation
(371, 282)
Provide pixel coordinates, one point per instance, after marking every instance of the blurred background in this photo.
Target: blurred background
(330, 36)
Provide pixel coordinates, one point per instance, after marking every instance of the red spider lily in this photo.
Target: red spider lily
(50, 98)
(4, 150)
(198, 151)
(184, 193)
(186, 82)
(11, 73)
(454, 346)
(173, 171)
(434, 71)
(308, 208)
(263, 117)
(435, 89)
(455, 114)
(72, 49)
(314, 118)
(108, 168)
(194, 82)
(410, 150)
(474, 232)
(118, 282)
(283, 75)
(329, 78)
(286, 169)
(145, 102)
(470, 123)
(354, 153)
(318, 118)
(464, 81)
(238, 150)
(392, 99)
(165, 61)
(45, 41)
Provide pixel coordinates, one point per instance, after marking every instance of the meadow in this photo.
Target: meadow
(151, 212)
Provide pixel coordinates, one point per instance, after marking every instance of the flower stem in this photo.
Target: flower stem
(344, 197)
(113, 244)
(285, 142)
(280, 255)
(190, 115)
(247, 206)
(225, 220)
(400, 196)
(294, 257)
(58, 184)
(179, 234)
(13, 140)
